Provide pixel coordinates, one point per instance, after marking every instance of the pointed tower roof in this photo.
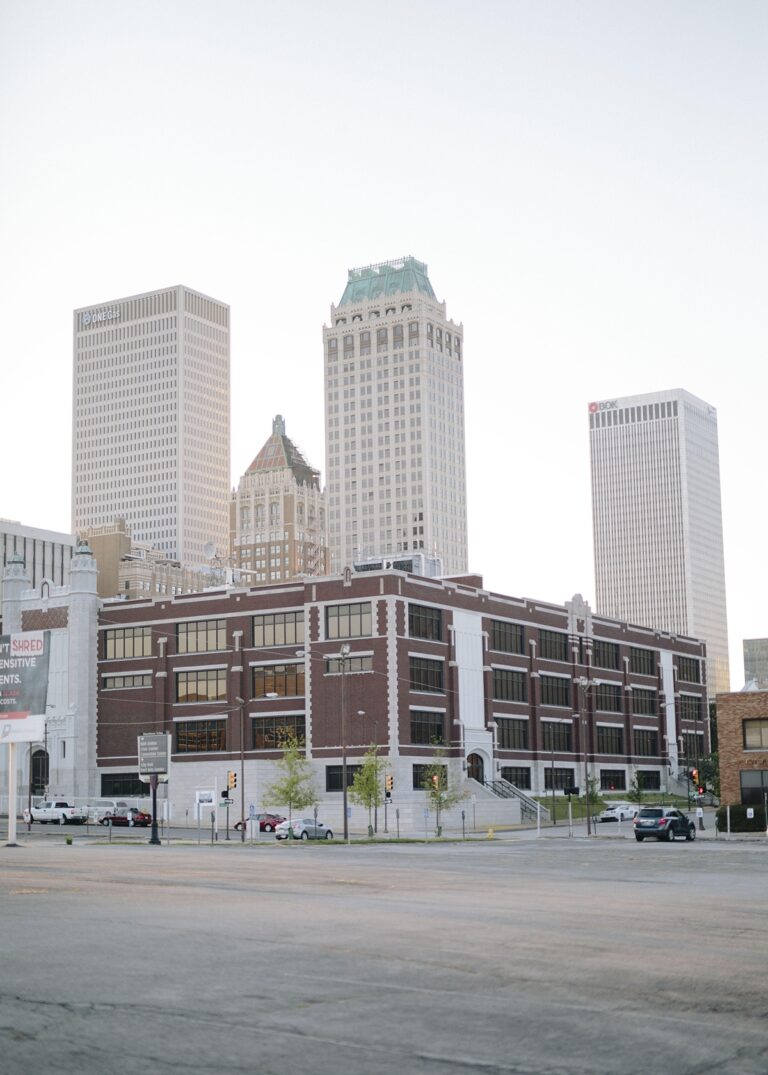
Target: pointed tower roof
(280, 452)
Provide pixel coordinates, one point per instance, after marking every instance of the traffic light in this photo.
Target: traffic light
(693, 776)
(389, 783)
(231, 779)
(435, 781)
(701, 790)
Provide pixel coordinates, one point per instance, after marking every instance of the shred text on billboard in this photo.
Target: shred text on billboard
(23, 674)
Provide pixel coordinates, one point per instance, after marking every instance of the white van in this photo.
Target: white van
(97, 808)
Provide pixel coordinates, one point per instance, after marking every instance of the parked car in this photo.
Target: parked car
(129, 816)
(267, 822)
(97, 808)
(58, 812)
(663, 823)
(305, 828)
(619, 812)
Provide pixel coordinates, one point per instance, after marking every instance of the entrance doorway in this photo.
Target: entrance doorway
(39, 774)
(475, 768)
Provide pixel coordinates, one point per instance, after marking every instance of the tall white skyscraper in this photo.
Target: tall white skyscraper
(657, 519)
(394, 428)
(150, 429)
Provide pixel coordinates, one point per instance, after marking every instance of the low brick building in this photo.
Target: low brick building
(742, 738)
(511, 689)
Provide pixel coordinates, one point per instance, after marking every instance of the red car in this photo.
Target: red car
(267, 822)
(131, 816)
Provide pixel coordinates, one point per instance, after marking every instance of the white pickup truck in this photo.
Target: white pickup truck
(58, 812)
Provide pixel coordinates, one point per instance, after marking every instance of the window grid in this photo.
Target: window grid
(610, 740)
(425, 622)
(349, 621)
(507, 637)
(646, 743)
(427, 727)
(509, 685)
(555, 690)
(271, 733)
(557, 737)
(644, 702)
(513, 734)
(201, 636)
(426, 675)
(124, 642)
(519, 775)
(554, 645)
(209, 685)
(200, 736)
(279, 629)
(286, 680)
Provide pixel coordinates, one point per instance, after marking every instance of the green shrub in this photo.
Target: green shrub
(739, 820)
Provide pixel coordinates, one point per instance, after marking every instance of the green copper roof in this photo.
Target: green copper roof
(387, 278)
(280, 452)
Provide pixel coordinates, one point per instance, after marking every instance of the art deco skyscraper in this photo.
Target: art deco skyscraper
(277, 515)
(150, 429)
(394, 429)
(658, 533)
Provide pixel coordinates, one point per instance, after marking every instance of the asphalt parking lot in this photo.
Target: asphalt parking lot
(518, 955)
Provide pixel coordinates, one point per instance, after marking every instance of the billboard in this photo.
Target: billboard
(23, 685)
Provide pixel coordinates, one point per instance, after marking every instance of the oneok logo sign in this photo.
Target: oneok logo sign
(606, 405)
(110, 313)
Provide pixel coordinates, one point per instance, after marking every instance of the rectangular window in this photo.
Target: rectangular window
(693, 746)
(209, 685)
(519, 775)
(554, 645)
(648, 781)
(423, 773)
(605, 654)
(754, 785)
(116, 683)
(128, 642)
(200, 736)
(507, 637)
(426, 727)
(426, 675)
(613, 780)
(608, 697)
(201, 636)
(644, 702)
(425, 622)
(279, 629)
(642, 662)
(646, 743)
(509, 685)
(558, 778)
(689, 669)
(348, 621)
(690, 707)
(513, 734)
(610, 740)
(117, 785)
(755, 734)
(270, 733)
(557, 737)
(555, 690)
(286, 680)
(334, 776)
(354, 664)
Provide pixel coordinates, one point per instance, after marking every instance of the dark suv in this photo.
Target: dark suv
(663, 823)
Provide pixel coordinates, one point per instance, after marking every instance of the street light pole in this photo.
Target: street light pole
(241, 703)
(584, 685)
(344, 658)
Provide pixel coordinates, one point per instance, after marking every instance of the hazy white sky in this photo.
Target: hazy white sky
(586, 181)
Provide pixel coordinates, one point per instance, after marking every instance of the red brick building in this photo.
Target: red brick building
(512, 689)
(742, 742)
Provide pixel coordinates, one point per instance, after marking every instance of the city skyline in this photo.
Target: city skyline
(588, 198)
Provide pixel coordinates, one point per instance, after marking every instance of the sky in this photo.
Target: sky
(586, 182)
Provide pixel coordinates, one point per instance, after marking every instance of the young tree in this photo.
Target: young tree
(709, 773)
(294, 786)
(439, 794)
(635, 793)
(367, 787)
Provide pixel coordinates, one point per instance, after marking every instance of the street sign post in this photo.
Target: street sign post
(154, 759)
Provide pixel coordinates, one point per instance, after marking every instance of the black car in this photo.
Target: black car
(663, 823)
